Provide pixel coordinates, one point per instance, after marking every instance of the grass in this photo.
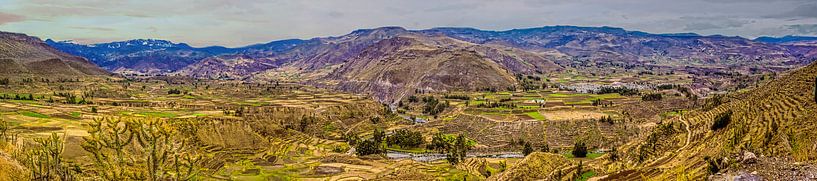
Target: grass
(157, 114)
(606, 96)
(586, 175)
(563, 95)
(33, 114)
(535, 115)
(76, 114)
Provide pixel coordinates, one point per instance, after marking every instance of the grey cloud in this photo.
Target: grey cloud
(709, 23)
(802, 11)
(803, 28)
(93, 28)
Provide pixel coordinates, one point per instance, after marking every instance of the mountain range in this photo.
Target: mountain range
(393, 62)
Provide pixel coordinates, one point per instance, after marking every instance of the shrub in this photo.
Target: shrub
(174, 91)
(527, 149)
(722, 120)
(412, 98)
(652, 97)
(579, 150)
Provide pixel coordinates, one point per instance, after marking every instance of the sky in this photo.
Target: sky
(235, 23)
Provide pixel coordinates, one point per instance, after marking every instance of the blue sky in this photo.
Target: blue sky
(243, 22)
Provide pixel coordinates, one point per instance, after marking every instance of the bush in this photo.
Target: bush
(579, 150)
(405, 139)
(412, 98)
(174, 91)
(722, 121)
(652, 97)
(527, 149)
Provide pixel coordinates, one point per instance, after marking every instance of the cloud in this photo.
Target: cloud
(709, 23)
(803, 11)
(10, 18)
(803, 28)
(243, 22)
(93, 28)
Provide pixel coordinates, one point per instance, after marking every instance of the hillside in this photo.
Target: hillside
(21, 54)
(775, 122)
(536, 166)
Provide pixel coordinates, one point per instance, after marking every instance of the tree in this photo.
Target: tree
(378, 135)
(461, 148)
(405, 139)
(368, 147)
(455, 148)
(93, 109)
(527, 149)
(579, 150)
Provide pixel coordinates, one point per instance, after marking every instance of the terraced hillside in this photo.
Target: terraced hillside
(774, 122)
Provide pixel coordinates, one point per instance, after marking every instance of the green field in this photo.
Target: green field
(33, 114)
(157, 114)
(536, 115)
